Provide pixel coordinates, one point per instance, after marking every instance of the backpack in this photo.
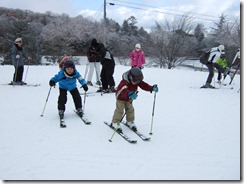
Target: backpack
(204, 57)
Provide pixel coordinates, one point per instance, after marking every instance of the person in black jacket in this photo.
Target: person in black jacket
(108, 64)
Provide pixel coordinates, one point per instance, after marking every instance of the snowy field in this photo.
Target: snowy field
(196, 132)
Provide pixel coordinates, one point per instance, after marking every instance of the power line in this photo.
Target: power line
(98, 12)
(164, 12)
(139, 4)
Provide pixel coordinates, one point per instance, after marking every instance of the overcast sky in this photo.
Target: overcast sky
(145, 11)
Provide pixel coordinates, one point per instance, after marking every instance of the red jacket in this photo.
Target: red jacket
(125, 86)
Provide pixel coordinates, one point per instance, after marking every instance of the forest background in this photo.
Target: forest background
(169, 43)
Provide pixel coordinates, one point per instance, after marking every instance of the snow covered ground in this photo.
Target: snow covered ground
(196, 132)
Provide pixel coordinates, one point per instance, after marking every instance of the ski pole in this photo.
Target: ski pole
(84, 102)
(46, 101)
(153, 112)
(16, 73)
(234, 74)
(110, 140)
(27, 69)
(86, 71)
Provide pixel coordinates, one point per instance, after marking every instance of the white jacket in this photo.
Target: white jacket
(215, 54)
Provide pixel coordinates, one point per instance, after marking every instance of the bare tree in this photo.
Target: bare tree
(170, 39)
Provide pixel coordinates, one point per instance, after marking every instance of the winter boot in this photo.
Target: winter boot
(100, 89)
(80, 112)
(132, 125)
(98, 83)
(89, 83)
(112, 89)
(116, 126)
(106, 91)
(219, 82)
(61, 114)
(22, 83)
(207, 85)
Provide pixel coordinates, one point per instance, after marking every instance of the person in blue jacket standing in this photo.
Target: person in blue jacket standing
(18, 56)
(66, 78)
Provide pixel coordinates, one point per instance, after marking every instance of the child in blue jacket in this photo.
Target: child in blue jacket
(66, 78)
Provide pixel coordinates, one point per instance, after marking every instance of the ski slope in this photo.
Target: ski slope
(196, 132)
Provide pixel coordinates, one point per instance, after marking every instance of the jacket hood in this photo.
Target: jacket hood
(94, 42)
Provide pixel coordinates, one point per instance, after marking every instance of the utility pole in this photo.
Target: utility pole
(104, 23)
(104, 7)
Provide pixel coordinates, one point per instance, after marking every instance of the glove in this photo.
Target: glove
(85, 87)
(17, 56)
(155, 88)
(52, 83)
(132, 95)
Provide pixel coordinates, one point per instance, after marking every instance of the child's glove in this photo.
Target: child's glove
(85, 87)
(52, 83)
(132, 95)
(155, 88)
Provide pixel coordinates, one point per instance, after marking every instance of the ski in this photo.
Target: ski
(142, 136)
(89, 93)
(33, 85)
(62, 123)
(85, 120)
(204, 87)
(95, 86)
(27, 85)
(121, 134)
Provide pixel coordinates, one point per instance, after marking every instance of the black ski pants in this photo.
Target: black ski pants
(107, 76)
(18, 74)
(62, 99)
(211, 67)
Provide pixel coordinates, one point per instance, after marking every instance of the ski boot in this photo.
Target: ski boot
(132, 125)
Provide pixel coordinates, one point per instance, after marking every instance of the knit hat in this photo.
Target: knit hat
(94, 42)
(221, 47)
(69, 64)
(65, 58)
(135, 75)
(18, 40)
(138, 46)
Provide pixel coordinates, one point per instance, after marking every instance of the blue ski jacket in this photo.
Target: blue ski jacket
(68, 82)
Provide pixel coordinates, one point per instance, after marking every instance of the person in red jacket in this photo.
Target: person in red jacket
(126, 93)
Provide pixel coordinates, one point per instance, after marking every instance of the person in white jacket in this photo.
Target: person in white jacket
(214, 55)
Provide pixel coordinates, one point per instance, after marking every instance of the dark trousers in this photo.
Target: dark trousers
(18, 74)
(107, 77)
(211, 67)
(62, 99)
